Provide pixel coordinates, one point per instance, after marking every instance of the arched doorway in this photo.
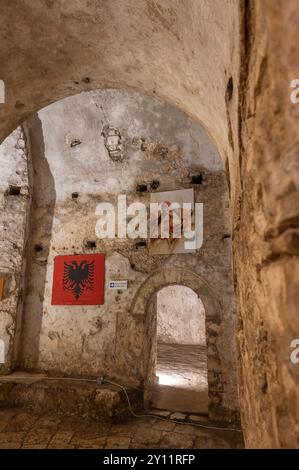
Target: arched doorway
(181, 352)
(73, 169)
(144, 312)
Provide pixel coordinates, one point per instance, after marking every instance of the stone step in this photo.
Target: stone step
(178, 399)
(79, 398)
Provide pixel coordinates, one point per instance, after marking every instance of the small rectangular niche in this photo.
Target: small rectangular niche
(13, 190)
(90, 244)
(197, 179)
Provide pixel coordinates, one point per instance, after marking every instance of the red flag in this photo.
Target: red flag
(79, 280)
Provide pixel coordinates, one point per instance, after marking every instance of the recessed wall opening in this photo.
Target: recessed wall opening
(181, 382)
(158, 150)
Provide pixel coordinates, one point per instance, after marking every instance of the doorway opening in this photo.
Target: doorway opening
(180, 349)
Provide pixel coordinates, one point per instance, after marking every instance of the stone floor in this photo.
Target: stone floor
(183, 383)
(20, 428)
(183, 365)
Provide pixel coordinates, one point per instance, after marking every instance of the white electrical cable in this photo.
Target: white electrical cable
(101, 380)
(151, 415)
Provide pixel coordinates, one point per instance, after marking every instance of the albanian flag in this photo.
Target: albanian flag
(78, 280)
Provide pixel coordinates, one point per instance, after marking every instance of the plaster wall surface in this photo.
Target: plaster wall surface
(180, 316)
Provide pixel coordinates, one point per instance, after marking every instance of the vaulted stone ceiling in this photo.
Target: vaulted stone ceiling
(182, 52)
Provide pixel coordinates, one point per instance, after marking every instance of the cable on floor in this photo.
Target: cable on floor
(152, 415)
(101, 380)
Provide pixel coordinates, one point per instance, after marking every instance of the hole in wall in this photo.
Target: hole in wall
(197, 179)
(13, 190)
(38, 248)
(90, 244)
(75, 195)
(75, 142)
(141, 244)
(155, 184)
(141, 188)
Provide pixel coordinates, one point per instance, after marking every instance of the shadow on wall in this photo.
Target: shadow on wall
(41, 220)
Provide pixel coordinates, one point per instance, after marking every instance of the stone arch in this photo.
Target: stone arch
(140, 308)
(36, 142)
(176, 275)
(146, 48)
(126, 47)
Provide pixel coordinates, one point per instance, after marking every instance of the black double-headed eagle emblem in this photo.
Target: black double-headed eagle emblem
(78, 277)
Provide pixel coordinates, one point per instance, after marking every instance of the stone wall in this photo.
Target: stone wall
(180, 316)
(266, 234)
(14, 210)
